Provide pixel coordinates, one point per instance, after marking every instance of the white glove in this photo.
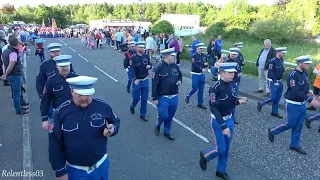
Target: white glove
(127, 69)
(148, 67)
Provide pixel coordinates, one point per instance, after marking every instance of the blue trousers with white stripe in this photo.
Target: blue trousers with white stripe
(294, 118)
(130, 77)
(314, 117)
(198, 82)
(140, 91)
(166, 110)
(222, 144)
(275, 96)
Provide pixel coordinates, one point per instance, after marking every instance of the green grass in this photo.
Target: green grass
(251, 50)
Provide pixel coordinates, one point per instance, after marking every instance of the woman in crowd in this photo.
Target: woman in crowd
(180, 50)
(175, 44)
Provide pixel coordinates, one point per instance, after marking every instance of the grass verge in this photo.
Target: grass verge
(251, 51)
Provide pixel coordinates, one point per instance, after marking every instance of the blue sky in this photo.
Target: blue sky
(18, 3)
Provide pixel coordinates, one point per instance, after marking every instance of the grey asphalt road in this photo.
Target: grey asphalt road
(137, 154)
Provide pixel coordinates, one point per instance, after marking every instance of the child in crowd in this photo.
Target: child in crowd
(90, 42)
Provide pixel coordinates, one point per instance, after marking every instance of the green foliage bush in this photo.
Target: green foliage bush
(215, 29)
(281, 30)
(227, 31)
(235, 33)
(162, 27)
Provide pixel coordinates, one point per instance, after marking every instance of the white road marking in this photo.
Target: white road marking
(185, 126)
(62, 42)
(149, 102)
(72, 49)
(106, 74)
(27, 153)
(83, 57)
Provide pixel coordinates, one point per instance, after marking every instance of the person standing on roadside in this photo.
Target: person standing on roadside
(14, 74)
(193, 48)
(3, 43)
(264, 57)
(218, 44)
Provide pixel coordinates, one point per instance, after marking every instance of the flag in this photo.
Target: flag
(54, 25)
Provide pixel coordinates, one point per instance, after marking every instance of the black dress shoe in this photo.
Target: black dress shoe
(319, 130)
(203, 161)
(23, 90)
(24, 113)
(270, 135)
(311, 108)
(235, 121)
(201, 106)
(187, 100)
(223, 176)
(143, 118)
(6, 83)
(128, 90)
(132, 110)
(169, 137)
(298, 150)
(259, 107)
(276, 115)
(157, 130)
(307, 122)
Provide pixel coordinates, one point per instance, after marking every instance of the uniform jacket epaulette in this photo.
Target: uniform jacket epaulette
(51, 76)
(158, 64)
(216, 85)
(100, 100)
(63, 105)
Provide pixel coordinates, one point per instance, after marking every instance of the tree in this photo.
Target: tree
(282, 4)
(8, 9)
(7, 12)
(162, 27)
(42, 12)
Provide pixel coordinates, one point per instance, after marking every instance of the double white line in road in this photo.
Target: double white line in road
(27, 153)
(149, 102)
